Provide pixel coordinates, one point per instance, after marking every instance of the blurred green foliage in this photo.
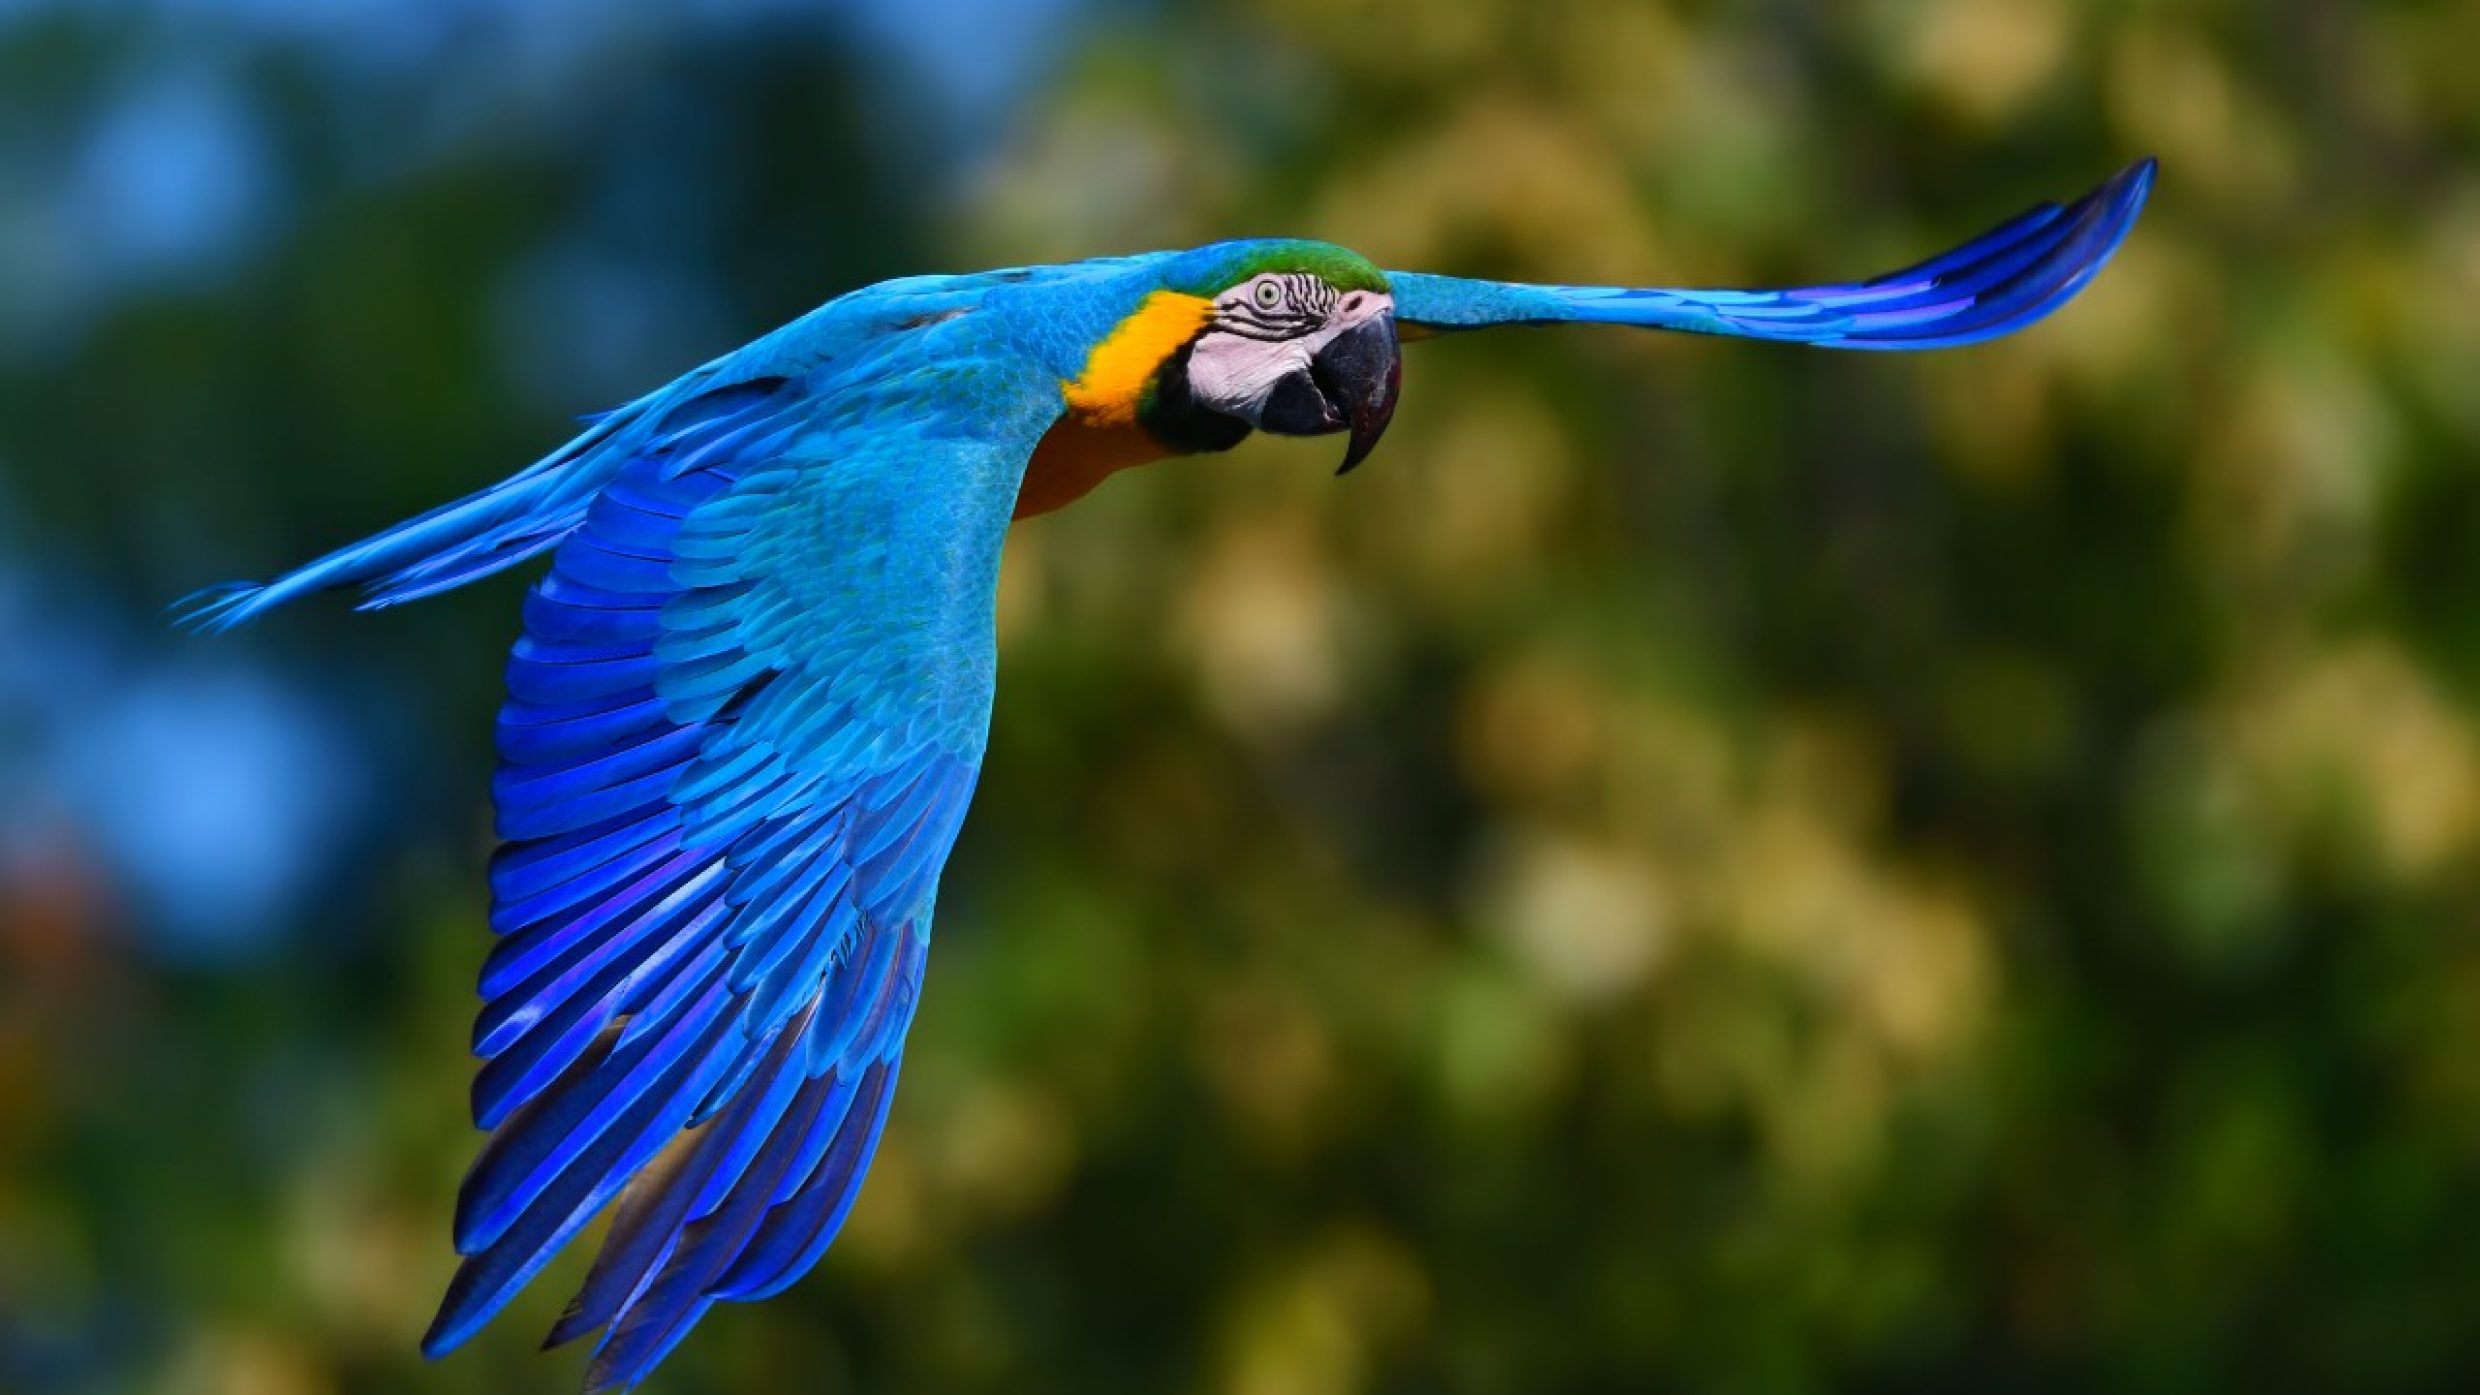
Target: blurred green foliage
(1702, 868)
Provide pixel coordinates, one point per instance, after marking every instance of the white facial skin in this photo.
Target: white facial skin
(1267, 328)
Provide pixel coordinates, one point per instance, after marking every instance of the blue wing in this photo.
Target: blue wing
(742, 726)
(1994, 284)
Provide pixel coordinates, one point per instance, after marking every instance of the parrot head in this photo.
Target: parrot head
(1295, 338)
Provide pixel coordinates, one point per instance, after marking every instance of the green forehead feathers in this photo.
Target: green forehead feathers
(1344, 270)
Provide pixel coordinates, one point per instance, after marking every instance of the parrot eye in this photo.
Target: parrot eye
(1268, 295)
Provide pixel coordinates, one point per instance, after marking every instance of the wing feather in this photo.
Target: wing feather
(1994, 284)
(743, 724)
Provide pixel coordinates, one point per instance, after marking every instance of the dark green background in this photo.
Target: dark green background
(1704, 867)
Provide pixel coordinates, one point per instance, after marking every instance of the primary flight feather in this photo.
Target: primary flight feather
(749, 704)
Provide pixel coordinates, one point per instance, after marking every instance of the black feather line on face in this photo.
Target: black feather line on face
(1307, 301)
(1177, 419)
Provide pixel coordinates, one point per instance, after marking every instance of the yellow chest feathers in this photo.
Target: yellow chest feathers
(1099, 435)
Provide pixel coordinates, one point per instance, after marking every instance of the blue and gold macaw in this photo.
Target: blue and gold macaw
(751, 696)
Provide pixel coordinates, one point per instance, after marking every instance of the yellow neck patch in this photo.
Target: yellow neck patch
(1099, 436)
(1107, 392)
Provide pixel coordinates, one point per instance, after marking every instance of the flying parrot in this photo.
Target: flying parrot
(750, 700)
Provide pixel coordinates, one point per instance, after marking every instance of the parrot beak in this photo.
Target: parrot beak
(1359, 373)
(1349, 385)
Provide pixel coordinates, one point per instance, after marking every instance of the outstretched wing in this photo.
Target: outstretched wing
(741, 730)
(1994, 284)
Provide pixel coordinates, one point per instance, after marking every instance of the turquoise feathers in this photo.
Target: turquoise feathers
(749, 705)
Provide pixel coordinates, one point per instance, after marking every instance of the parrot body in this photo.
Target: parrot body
(749, 704)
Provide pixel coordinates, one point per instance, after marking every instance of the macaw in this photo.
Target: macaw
(751, 696)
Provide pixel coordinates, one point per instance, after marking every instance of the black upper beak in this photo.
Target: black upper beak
(1359, 372)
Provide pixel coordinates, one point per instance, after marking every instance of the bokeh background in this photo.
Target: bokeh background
(1705, 868)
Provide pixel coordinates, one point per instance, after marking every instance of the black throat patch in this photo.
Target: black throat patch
(1177, 419)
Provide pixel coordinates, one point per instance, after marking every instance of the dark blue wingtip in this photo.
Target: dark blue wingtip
(461, 1314)
(2120, 200)
(2127, 190)
(1995, 284)
(444, 1336)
